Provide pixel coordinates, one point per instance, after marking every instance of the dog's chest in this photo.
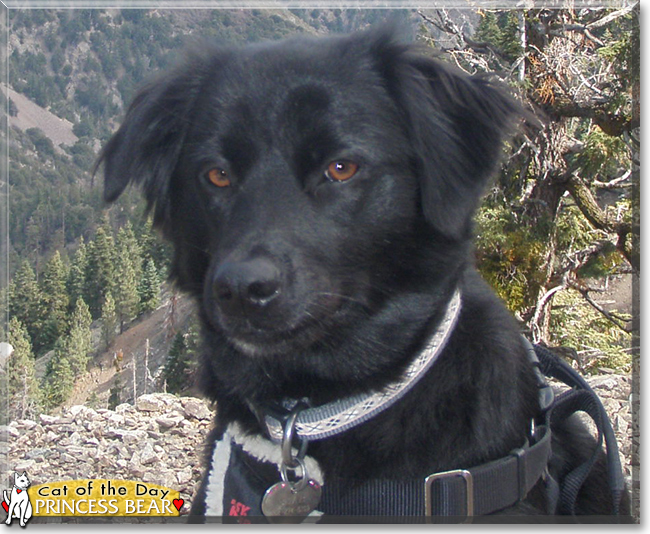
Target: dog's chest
(241, 471)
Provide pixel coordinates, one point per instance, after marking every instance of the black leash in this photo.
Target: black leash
(582, 398)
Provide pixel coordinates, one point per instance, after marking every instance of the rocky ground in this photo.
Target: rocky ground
(161, 440)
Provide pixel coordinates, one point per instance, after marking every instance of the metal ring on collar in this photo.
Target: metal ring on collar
(288, 459)
(302, 481)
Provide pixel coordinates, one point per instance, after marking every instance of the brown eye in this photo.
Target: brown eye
(218, 177)
(341, 170)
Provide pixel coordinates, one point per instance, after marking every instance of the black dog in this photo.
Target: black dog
(319, 195)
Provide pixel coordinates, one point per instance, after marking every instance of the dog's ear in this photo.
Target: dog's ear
(457, 124)
(146, 147)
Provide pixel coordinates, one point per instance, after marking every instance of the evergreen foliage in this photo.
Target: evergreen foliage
(71, 356)
(79, 342)
(59, 378)
(100, 275)
(115, 397)
(149, 288)
(604, 347)
(55, 300)
(500, 32)
(128, 269)
(22, 390)
(77, 273)
(126, 290)
(25, 302)
(174, 371)
(179, 368)
(109, 320)
(93, 400)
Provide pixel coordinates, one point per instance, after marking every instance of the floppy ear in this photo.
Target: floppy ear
(457, 124)
(146, 147)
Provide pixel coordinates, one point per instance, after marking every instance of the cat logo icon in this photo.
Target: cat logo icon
(17, 504)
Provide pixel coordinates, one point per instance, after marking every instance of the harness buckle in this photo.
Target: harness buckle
(469, 491)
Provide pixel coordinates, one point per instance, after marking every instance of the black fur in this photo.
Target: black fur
(311, 288)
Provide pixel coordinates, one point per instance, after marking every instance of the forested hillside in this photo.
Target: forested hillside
(84, 67)
(557, 231)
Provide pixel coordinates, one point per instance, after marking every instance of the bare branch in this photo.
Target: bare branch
(584, 80)
(612, 16)
(544, 299)
(432, 22)
(613, 318)
(580, 258)
(447, 26)
(559, 31)
(611, 123)
(616, 183)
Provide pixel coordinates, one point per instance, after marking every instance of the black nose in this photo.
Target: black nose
(246, 286)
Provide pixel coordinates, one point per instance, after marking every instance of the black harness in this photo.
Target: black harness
(460, 494)
(581, 397)
(502, 483)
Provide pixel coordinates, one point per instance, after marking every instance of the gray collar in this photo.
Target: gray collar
(341, 415)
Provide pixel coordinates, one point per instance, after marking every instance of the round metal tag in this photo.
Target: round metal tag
(287, 502)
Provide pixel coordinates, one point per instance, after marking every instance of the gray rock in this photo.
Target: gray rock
(24, 465)
(195, 409)
(35, 454)
(154, 402)
(47, 419)
(167, 421)
(148, 456)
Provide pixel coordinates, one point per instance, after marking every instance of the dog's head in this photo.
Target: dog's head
(306, 182)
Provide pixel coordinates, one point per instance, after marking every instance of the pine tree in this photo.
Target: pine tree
(488, 30)
(77, 273)
(78, 343)
(55, 300)
(152, 246)
(128, 268)
(499, 31)
(126, 291)
(93, 400)
(180, 366)
(109, 320)
(100, 275)
(26, 304)
(509, 41)
(174, 373)
(34, 236)
(23, 393)
(115, 397)
(149, 287)
(126, 245)
(59, 378)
